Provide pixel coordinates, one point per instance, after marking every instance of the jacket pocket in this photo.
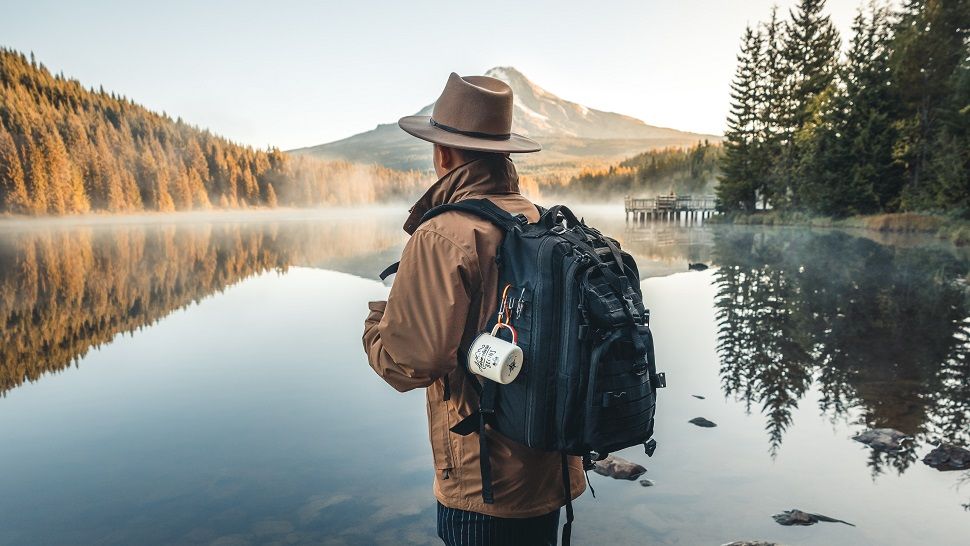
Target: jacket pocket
(438, 424)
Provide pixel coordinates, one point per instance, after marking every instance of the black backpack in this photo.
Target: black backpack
(588, 384)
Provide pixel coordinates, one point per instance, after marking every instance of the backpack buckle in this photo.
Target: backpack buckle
(631, 308)
(522, 219)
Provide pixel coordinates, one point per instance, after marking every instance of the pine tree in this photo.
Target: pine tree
(773, 122)
(950, 165)
(870, 104)
(847, 165)
(13, 189)
(929, 52)
(811, 55)
(270, 196)
(737, 190)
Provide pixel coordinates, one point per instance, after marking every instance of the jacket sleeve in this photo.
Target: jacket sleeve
(412, 339)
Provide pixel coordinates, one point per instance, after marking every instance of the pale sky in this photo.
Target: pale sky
(292, 74)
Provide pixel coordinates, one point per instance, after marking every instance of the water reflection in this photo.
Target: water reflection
(64, 290)
(662, 248)
(253, 417)
(881, 331)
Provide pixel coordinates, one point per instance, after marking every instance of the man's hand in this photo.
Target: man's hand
(412, 339)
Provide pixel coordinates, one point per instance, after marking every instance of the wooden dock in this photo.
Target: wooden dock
(670, 207)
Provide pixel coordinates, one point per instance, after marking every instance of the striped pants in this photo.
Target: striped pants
(461, 528)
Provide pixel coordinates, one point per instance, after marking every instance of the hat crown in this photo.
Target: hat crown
(475, 104)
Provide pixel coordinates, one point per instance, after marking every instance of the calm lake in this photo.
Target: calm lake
(200, 380)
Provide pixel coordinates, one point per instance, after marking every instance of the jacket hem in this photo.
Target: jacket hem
(515, 513)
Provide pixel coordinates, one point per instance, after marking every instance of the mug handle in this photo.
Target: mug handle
(515, 335)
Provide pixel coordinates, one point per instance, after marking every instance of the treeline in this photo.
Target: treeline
(680, 170)
(884, 128)
(66, 149)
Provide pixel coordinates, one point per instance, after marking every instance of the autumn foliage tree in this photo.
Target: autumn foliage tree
(66, 149)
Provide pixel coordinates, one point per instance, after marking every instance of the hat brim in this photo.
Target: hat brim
(420, 126)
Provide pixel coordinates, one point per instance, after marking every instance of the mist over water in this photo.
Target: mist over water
(199, 379)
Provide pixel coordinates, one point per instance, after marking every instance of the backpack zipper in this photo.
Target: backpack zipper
(564, 337)
(537, 334)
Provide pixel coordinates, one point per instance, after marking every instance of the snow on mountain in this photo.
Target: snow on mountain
(569, 132)
(539, 112)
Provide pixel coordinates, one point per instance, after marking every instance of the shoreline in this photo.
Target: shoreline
(11, 220)
(950, 229)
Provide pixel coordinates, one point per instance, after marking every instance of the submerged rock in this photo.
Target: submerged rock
(948, 457)
(696, 266)
(883, 439)
(701, 422)
(647, 483)
(797, 517)
(697, 396)
(618, 468)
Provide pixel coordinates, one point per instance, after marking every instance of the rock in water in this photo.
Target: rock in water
(948, 457)
(701, 422)
(797, 517)
(618, 468)
(883, 439)
(647, 483)
(696, 266)
(752, 543)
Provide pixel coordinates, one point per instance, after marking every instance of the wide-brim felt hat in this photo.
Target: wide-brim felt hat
(472, 113)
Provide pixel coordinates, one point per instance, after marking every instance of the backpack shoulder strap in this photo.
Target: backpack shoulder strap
(482, 208)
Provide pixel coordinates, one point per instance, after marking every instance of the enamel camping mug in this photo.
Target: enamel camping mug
(494, 358)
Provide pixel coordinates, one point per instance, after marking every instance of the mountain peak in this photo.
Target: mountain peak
(569, 132)
(505, 73)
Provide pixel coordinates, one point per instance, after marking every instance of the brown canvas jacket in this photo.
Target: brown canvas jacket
(444, 293)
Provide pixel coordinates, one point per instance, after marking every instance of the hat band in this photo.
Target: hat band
(474, 134)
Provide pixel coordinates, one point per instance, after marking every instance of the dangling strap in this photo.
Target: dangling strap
(389, 270)
(447, 388)
(588, 465)
(471, 423)
(486, 409)
(567, 529)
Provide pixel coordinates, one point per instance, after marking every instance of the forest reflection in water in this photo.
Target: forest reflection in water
(65, 289)
(882, 329)
(874, 332)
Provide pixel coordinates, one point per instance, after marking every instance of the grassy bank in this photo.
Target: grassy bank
(955, 230)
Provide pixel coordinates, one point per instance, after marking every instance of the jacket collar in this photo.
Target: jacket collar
(476, 178)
